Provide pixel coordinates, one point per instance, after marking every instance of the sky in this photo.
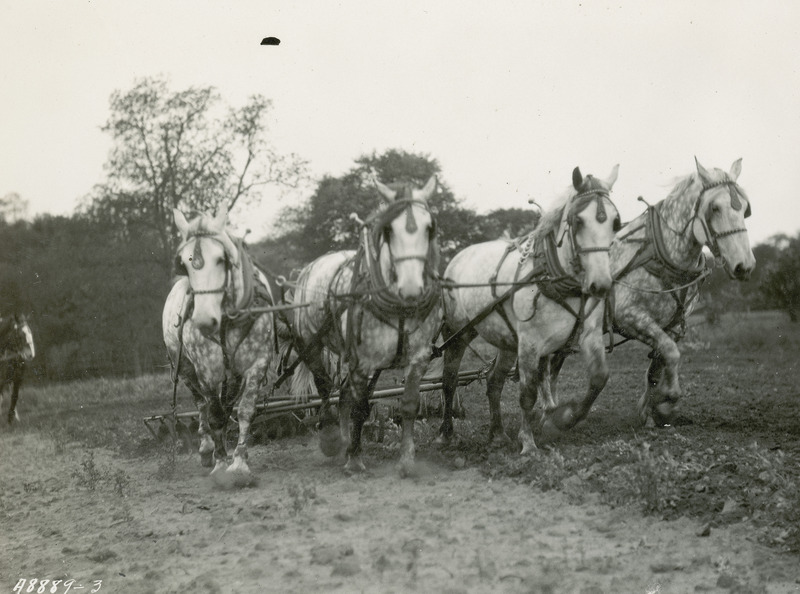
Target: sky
(508, 96)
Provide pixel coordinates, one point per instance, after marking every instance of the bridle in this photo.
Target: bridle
(198, 262)
(711, 236)
(381, 230)
(576, 205)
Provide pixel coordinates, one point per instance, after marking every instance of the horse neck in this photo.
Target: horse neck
(676, 213)
(237, 280)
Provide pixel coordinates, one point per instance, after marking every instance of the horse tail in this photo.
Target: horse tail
(303, 385)
(435, 368)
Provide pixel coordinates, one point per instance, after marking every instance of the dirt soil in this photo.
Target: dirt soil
(159, 526)
(709, 505)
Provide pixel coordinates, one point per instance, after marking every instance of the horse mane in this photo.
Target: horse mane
(681, 185)
(551, 219)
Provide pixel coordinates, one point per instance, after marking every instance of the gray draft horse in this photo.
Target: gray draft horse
(377, 308)
(222, 351)
(658, 264)
(555, 287)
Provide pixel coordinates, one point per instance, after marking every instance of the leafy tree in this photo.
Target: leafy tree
(324, 223)
(183, 149)
(781, 284)
(13, 208)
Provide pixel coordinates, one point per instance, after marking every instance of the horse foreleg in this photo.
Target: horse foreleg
(651, 405)
(494, 391)
(567, 415)
(217, 423)
(246, 411)
(12, 409)
(662, 387)
(206, 448)
(452, 363)
(528, 363)
(557, 361)
(358, 396)
(409, 405)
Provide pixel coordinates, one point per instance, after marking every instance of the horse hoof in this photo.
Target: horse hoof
(561, 418)
(528, 444)
(330, 441)
(207, 459)
(220, 466)
(663, 414)
(354, 465)
(443, 439)
(406, 469)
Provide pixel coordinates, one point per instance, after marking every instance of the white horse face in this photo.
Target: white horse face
(408, 240)
(206, 255)
(724, 207)
(593, 227)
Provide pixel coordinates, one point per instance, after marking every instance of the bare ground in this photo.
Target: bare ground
(474, 519)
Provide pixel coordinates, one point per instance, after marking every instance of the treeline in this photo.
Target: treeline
(95, 296)
(94, 283)
(94, 289)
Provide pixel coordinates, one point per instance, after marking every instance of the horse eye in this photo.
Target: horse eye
(578, 223)
(617, 225)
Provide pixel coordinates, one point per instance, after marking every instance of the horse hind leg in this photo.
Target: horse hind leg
(494, 391)
(331, 440)
(452, 363)
(358, 394)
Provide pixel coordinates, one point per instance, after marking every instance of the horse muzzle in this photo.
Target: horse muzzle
(740, 272)
(208, 325)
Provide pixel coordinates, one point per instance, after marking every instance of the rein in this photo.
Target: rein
(380, 299)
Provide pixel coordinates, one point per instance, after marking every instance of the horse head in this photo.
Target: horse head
(207, 255)
(718, 222)
(17, 338)
(589, 222)
(405, 234)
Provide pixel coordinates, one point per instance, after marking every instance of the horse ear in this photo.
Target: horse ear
(387, 193)
(611, 179)
(736, 169)
(577, 178)
(427, 191)
(221, 218)
(705, 176)
(181, 222)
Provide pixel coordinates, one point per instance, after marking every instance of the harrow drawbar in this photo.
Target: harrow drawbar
(184, 424)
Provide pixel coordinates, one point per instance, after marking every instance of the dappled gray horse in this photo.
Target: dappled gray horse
(377, 308)
(658, 265)
(217, 346)
(532, 297)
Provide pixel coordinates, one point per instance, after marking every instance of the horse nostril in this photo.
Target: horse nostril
(741, 272)
(209, 327)
(596, 290)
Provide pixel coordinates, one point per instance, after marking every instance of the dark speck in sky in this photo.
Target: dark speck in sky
(270, 41)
